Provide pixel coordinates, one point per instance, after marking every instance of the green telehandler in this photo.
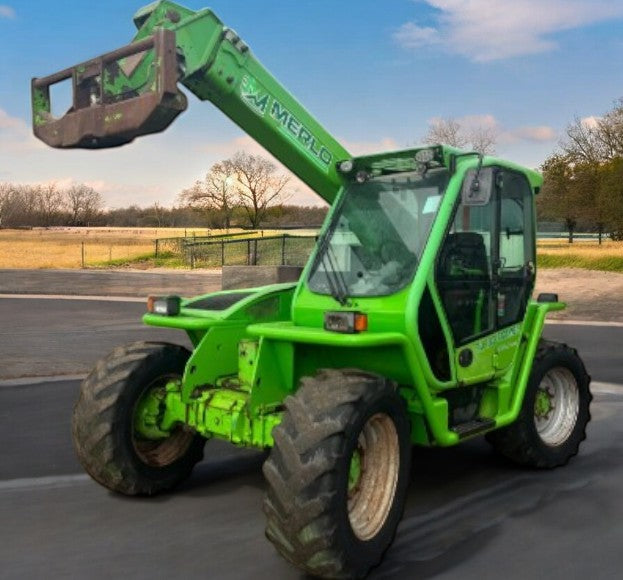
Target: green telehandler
(412, 323)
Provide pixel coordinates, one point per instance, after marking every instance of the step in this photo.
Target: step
(473, 427)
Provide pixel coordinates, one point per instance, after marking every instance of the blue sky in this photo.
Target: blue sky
(375, 73)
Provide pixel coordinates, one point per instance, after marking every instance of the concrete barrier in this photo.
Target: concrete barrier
(251, 276)
(108, 282)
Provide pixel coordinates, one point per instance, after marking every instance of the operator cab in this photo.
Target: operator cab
(477, 216)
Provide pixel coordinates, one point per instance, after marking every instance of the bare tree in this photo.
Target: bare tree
(258, 184)
(449, 131)
(49, 204)
(83, 203)
(582, 142)
(157, 213)
(215, 194)
(245, 180)
(24, 205)
(7, 203)
(595, 140)
(611, 130)
(483, 139)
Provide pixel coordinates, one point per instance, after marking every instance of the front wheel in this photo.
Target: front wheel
(104, 426)
(556, 409)
(338, 473)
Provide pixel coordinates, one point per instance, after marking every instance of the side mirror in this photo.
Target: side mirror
(478, 186)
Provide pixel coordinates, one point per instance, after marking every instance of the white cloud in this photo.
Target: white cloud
(591, 122)
(16, 135)
(533, 133)
(486, 121)
(67, 182)
(487, 30)
(242, 143)
(8, 123)
(124, 194)
(410, 35)
(503, 135)
(541, 133)
(6, 11)
(369, 147)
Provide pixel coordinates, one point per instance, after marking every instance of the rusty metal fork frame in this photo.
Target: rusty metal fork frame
(94, 123)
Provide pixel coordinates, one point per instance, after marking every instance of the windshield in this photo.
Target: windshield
(377, 235)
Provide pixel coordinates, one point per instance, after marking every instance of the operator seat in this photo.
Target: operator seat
(464, 283)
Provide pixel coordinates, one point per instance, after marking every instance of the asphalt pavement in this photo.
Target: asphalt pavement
(48, 337)
(470, 514)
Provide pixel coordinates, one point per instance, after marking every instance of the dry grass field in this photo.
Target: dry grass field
(585, 254)
(63, 247)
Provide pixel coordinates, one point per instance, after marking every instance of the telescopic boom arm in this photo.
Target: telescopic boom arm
(133, 91)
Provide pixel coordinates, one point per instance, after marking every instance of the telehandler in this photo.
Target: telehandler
(412, 323)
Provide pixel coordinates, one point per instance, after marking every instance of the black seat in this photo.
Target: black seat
(463, 257)
(464, 283)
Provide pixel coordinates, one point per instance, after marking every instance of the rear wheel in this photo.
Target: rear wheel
(556, 409)
(338, 474)
(121, 389)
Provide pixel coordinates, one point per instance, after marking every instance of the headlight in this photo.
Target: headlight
(346, 166)
(164, 305)
(425, 155)
(347, 322)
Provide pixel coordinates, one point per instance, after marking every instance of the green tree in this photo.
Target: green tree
(560, 197)
(611, 196)
(583, 182)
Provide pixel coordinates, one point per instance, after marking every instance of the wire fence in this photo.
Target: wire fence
(284, 250)
(565, 236)
(178, 245)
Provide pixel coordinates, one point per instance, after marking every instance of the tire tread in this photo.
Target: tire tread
(519, 441)
(301, 499)
(96, 425)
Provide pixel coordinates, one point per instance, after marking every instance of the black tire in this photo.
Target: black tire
(102, 426)
(315, 515)
(555, 411)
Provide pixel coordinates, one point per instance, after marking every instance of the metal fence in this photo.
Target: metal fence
(178, 245)
(565, 236)
(284, 250)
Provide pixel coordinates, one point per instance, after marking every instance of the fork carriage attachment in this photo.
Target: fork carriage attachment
(121, 95)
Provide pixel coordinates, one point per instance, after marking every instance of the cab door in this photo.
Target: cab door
(485, 271)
